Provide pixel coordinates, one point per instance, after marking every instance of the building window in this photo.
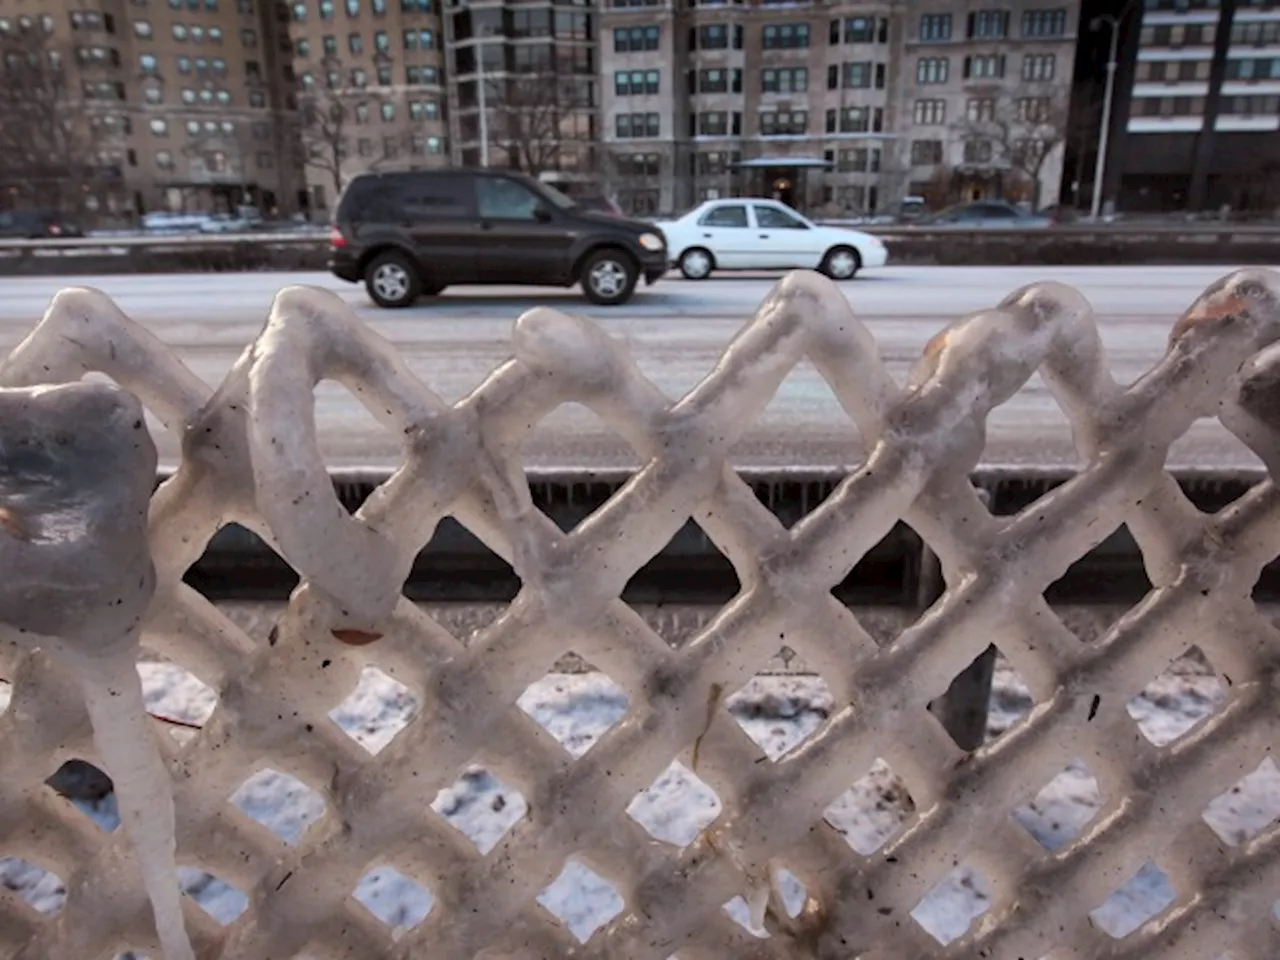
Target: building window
(926, 153)
(353, 8)
(1033, 109)
(859, 160)
(388, 112)
(164, 160)
(933, 70)
(299, 13)
(860, 30)
(1254, 106)
(423, 76)
(326, 9)
(860, 76)
(302, 48)
(978, 151)
(1044, 23)
(712, 81)
(180, 32)
(244, 6)
(980, 109)
(789, 80)
(1268, 69)
(930, 112)
(633, 125)
(935, 26)
(355, 43)
(785, 36)
(359, 78)
(381, 42)
(147, 63)
(257, 99)
(384, 76)
(638, 164)
(330, 44)
(784, 123)
(711, 37)
(1242, 33)
(855, 120)
(379, 7)
(1039, 66)
(159, 127)
(183, 65)
(713, 123)
(635, 39)
(988, 25)
(985, 67)
(249, 38)
(635, 82)
(142, 29)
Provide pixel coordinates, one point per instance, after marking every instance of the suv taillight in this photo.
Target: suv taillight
(336, 240)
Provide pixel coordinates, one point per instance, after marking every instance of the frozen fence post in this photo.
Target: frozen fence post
(77, 469)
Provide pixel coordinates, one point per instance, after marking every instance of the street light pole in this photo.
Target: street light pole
(1108, 94)
(481, 82)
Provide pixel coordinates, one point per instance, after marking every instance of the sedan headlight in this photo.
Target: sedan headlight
(651, 241)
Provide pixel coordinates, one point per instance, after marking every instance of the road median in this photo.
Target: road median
(1062, 246)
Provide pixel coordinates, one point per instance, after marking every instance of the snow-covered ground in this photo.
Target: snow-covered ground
(779, 711)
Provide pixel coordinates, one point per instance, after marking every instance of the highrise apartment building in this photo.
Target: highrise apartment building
(366, 86)
(171, 103)
(1198, 107)
(841, 107)
(985, 98)
(791, 100)
(523, 85)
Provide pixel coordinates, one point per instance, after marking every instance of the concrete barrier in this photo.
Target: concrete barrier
(1074, 245)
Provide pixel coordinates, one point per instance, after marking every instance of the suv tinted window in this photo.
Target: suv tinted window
(498, 198)
(400, 199)
(734, 216)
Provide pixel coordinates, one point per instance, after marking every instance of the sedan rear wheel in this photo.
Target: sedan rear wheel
(840, 263)
(696, 264)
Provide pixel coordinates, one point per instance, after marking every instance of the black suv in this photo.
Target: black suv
(413, 233)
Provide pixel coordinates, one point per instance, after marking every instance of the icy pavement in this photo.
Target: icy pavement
(777, 711)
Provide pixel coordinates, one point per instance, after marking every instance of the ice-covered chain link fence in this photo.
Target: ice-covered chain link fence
(251, 456)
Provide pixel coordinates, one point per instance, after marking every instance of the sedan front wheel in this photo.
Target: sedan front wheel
(840, 263)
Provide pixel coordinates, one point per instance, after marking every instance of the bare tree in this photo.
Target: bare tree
(332, 113)
(535, 115)
(49, 144)
(1017, 131)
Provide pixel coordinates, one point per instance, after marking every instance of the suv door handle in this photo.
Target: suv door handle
(706, 236)
(764, 236)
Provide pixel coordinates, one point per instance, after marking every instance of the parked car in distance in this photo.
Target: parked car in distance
(753, 234)
(412, 233)
(37, 225)
(984, 215)
(598, 204)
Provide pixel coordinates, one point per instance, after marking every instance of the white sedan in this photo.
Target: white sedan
(750, 234)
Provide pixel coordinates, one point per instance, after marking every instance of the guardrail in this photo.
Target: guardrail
(1208, 233)
(602, 846)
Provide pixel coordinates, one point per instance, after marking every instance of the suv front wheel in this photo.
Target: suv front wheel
(609, 277)
(392, 280)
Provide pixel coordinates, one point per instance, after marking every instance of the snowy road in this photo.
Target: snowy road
(677, 329)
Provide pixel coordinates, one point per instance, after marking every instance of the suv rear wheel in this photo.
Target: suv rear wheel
(392, 280)
(609, 277)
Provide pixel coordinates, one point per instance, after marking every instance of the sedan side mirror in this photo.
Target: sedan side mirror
(541, 214)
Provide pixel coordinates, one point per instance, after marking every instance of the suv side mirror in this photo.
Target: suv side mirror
(541, 214)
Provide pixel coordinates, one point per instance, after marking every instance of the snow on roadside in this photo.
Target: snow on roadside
(779, 712)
